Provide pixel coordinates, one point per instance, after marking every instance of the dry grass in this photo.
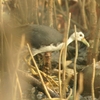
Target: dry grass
(16, 13)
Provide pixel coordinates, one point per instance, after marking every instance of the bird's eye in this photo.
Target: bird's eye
(81, 35)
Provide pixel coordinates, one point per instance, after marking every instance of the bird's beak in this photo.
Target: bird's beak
(85, 42)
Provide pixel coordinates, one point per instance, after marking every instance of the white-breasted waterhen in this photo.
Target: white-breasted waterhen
(43, 38)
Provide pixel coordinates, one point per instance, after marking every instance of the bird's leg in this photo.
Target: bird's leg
(47, 63)
(47, 59)
(47, 55)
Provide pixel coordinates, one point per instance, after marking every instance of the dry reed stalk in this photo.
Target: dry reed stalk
(1, 51)
(69, 94)
(42, 81)
(59, 75)
(96, 42)
(35, 82)
(42, 12)
(36, 12)
(64, 56)
(93, 25)
(48, 77)
(55, 16)
(17, 85)
(80, 86)
(67, 7)
(83, 15)
(75, 60)
(50, 12)
(93, 79)
(47, 56)
(1, 34)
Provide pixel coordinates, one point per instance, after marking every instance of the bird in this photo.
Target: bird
(43, 38)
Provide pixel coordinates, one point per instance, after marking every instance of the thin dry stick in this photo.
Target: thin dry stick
(67, 7)
(2, 49)
(59, 5)
(46, 91)
(42, 73)
(50, 12)
(80, 89)
(2, 36)
(47, 62)
(76, 55)
(64, 55)
(35, 82)
(93, 25)
(36, 12)
(69, 94)
(42, 12)
(96, 42)
(82, 10)
(45, 75)
(55, 16)
(17, 84)
(19, 87)
(93, 78)
(60, 88)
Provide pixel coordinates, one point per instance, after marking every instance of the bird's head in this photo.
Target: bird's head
(80, 37)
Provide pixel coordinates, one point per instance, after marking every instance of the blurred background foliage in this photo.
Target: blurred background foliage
(85, 14)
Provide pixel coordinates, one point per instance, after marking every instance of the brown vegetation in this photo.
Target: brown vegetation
(85, 14)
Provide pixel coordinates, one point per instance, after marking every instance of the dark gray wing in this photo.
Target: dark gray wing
(40, 35)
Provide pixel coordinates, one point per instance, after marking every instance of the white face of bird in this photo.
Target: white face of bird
(80, 37)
